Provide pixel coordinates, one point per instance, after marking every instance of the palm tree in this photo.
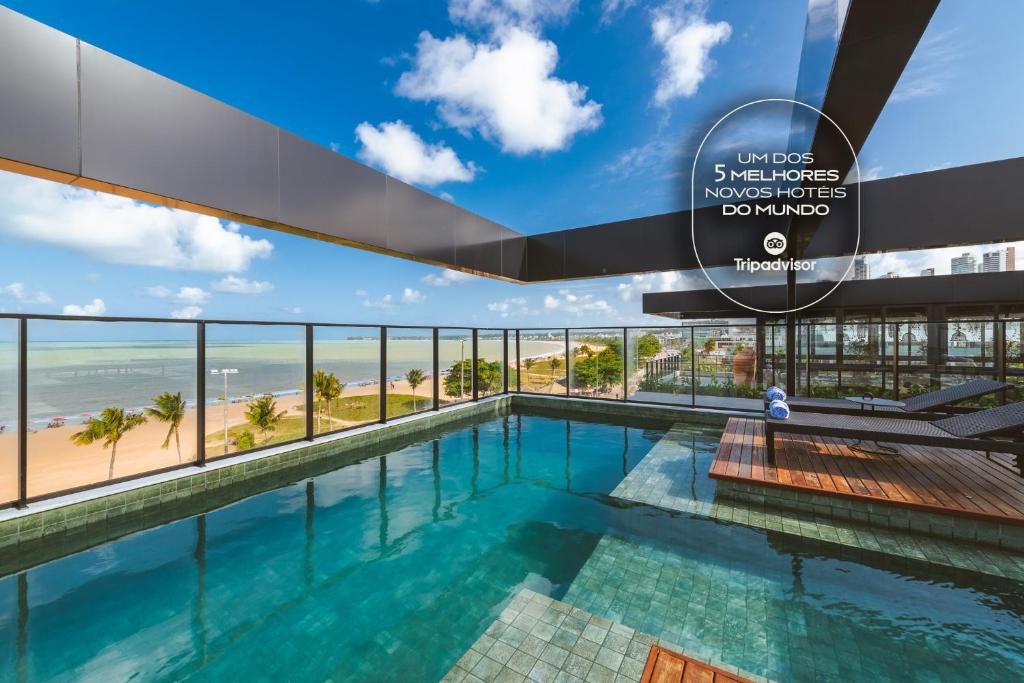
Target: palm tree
(169, 408)
(331, 390)
(111, 425)
(528, 364)
(262, 414)
(321, 385)
(555, 364)
(415, 378)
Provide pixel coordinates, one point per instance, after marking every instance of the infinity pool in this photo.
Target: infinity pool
(395, 565)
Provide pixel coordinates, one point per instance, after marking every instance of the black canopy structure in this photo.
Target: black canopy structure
(73, 113)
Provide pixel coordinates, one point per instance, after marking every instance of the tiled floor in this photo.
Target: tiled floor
(540, 639)
(673, 476)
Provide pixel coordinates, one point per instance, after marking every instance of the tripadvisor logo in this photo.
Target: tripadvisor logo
(775, 244)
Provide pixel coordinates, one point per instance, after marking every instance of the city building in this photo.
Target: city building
(861, 268)
(998, 261)
(965, 263)
(928, 272)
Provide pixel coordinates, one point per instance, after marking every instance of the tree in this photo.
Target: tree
(647, 347)
(327, 388)
(245, 440)
(457, 381)
(170, 409)
(111, 426)
(586, 350)
(528, 364)
(415, 378)
(555, 364)
(262, 414)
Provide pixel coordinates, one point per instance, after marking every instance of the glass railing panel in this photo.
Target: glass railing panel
(1014, 357)
(255, 386)
(490, 362)
(542, 359)
(595, 363)
(455, 363)
(513, 362)
(410, 370)
(659, 364)
(774, 367)
(108, 400)
(865, 367)
(9, 472)
(817, 372)
(725, 365)
(346, 377)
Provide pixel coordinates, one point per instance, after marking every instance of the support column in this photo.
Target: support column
(791, 333)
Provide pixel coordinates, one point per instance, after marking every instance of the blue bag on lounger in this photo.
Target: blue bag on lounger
(778, 409)
(775, 394)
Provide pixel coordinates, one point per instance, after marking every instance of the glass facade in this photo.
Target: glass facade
(255, 386)
(346, 372)
(542, 361)
(409, 374)
(108, 400)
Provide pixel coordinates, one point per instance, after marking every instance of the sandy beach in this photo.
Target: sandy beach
(57, 464)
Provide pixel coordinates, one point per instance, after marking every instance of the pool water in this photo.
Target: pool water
(390, 569)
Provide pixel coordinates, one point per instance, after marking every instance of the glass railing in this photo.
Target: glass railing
(99, 400)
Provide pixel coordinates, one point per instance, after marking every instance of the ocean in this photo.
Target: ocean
(71, 379)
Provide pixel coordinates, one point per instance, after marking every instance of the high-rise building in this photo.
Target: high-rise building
(999, 260)
(861, 269)
(890, 276)
(965, 263)
(927, 272)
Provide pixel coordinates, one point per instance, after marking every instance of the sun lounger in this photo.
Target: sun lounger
(972, 431)
(925, 406)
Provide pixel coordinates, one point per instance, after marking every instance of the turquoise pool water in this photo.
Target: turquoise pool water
(398, 563)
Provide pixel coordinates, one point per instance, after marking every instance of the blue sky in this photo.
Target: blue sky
(589, 120)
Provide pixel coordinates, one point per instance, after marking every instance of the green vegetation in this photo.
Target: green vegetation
(647, 347)
(245, 440)
(170, 409)
(458, 382)
(262, 414)
(415, 378)
(601, 369)
(326, 387)
(111, 426)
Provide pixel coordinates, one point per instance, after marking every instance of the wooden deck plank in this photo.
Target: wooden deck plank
(941, 480)
(665, 666)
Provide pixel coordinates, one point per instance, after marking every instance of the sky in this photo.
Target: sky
(588, 109)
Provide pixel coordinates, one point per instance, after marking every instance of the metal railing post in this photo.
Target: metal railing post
(201, 394)
(22, 412)
(472, 375)
(436, 368)
(383, 374)
(309, 384)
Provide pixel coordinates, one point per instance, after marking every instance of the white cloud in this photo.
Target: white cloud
(240, 285)
(576, 304)
(96, 307)
(192, 295)
(187, 313)
(396, 149)
(446, 278)
(497, 14)
(157, 291)
(668, 281)
(504, 89)
(825, 19)
(931, 68)
(23, 295)
(516, 304)
(118, 230)
(360, 292)
(613, 9)
(686, 38)
(413, 296)
(387, 302)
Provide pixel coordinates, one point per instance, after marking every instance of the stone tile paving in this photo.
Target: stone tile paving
(673, 476)
(537, 638)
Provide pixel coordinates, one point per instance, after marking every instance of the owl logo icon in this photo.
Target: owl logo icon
(775, 243)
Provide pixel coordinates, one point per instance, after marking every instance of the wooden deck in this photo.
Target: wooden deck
(665, 666)
(939, 480)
